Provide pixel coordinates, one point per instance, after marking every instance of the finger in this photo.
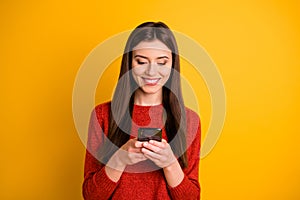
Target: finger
(133, 149)
(150, 154)
(135, 156)
(138, 144)
(149, 157)
(136, 150)
(161, 144)
(151, 147)
(141, 157)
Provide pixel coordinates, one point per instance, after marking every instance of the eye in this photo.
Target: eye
(141, 62)
(161, 63)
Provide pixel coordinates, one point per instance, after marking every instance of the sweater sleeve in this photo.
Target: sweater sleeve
(96, 184)
(189, 188)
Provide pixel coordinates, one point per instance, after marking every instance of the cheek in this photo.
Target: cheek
(137, 71)
(165, 71)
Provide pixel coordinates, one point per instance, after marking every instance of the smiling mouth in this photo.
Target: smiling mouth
(151, 81)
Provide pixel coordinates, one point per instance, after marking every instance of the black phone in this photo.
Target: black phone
(146, 134)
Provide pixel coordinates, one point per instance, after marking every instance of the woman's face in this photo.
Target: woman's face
(151, 65)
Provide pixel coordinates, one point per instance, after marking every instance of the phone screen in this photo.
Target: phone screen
(146, 134)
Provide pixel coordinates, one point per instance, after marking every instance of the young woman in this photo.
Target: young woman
(148, 94)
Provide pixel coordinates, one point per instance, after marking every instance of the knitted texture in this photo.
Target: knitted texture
(143, 180)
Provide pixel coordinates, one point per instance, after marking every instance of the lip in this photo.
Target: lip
(151, 81)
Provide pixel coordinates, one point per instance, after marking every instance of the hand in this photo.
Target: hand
(130, 153)
(159, 152)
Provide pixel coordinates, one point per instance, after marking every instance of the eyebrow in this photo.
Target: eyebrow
(160, 57)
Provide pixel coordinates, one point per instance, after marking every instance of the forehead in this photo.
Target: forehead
(151, 46)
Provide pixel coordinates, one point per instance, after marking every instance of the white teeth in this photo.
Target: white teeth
(151, 81)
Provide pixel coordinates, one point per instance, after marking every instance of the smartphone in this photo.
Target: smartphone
(146, 134)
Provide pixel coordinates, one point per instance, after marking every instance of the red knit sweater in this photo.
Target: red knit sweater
(150, 184)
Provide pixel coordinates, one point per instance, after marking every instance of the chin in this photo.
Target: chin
(148, 90)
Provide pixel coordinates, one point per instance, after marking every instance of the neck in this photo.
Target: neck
(144, 99)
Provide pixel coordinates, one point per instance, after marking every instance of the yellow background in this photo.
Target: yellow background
(255, 45)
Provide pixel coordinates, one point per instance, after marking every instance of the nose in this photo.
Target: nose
(151, 69)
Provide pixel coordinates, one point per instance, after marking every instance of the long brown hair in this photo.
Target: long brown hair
(122, 102)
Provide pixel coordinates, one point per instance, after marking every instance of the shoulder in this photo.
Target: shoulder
(101, 111)
(191, 116)
(193, 126)
(103, 107)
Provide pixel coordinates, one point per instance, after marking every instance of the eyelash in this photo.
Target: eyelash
(143, 63)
